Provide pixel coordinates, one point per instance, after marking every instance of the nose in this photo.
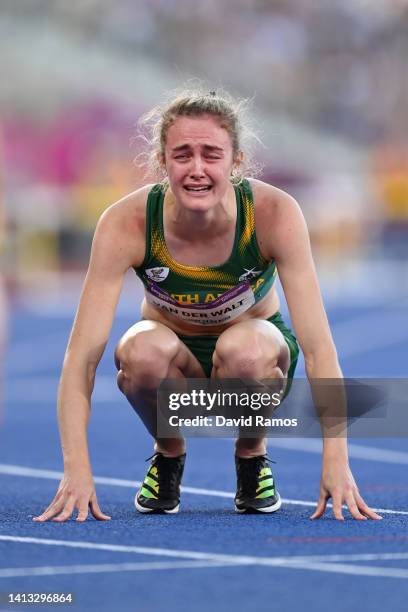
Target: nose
(197, 167)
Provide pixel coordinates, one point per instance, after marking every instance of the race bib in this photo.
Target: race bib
(226, 307)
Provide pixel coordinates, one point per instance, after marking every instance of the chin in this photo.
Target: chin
(197, 202)
(198, 206)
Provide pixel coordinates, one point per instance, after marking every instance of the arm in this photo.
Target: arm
(290, 246)
(115, 248)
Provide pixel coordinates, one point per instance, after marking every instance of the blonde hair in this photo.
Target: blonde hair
(232, 116)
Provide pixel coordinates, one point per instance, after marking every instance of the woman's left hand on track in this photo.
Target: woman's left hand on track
(338, 483)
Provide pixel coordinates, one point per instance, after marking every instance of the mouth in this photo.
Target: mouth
(197, 188)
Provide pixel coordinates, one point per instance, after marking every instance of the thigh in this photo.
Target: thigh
(253, 340)
(151, 343)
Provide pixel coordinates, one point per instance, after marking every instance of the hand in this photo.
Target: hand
(76, 491)
(338, 483)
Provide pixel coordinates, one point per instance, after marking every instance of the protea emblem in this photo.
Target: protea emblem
(157, 274)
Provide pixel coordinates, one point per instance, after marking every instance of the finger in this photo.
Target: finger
(59, 492)
(352, 506)
(66, 512)
(366, 510)
(337, 511)
(321, 507)
(56, 499)
(51, 506)
(96, 511)
(82, 513)
(53, 509)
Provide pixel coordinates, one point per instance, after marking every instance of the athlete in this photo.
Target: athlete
(204, 236)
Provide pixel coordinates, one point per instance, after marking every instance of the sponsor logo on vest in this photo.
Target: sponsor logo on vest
(250, 274)
(157, 274)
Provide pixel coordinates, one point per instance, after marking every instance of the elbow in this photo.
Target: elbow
(76, 370)
(91, 374)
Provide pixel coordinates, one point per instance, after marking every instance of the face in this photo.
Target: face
(198, 159)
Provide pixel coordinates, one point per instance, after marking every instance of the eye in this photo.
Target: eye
(181, 156)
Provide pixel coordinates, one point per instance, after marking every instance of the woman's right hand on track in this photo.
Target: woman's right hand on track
(76, 491)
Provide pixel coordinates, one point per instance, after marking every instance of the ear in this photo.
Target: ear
(161, 159)
(239, 158)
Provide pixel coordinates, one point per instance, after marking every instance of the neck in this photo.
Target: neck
(208, 223)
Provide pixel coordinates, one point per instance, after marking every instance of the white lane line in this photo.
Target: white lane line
(294, 562)
(354, 570)
(144, 550)
(16, 470)
(17, 572)
(356, 451)
(398, 556)
(339, 568)
(205, 556)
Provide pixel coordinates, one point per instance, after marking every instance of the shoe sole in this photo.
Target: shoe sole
(144, 510)
(268, 509)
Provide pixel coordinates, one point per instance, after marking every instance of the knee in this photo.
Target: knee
(142, 363)
(243, 359)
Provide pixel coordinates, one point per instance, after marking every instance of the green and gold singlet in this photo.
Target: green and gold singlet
(205, 295)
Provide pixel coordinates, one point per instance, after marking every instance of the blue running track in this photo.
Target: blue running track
(206, 557)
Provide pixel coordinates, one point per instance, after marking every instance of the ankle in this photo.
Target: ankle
(249, 454)
(246, 451)
(170, 448)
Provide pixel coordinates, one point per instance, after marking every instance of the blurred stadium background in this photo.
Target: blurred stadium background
(330, 90)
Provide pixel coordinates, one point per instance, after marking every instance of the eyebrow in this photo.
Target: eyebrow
(206, 147)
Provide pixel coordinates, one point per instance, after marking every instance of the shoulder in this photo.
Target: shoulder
(270, 200)
(128, 213)
(278, 217)
(122, 226)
